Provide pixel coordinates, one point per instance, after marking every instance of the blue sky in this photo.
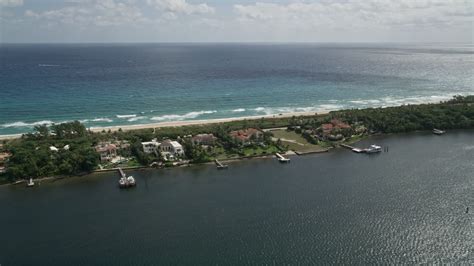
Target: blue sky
(236, 21)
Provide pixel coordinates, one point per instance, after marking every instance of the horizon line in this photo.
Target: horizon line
(249, 42)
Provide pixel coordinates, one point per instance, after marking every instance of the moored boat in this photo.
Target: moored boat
(124, 181)
(438, 131)
(127, 182)
(373, 149)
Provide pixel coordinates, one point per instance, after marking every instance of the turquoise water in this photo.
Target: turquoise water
(405, 206)
(124, 84)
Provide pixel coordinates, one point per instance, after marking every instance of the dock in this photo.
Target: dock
(220, 165)
(347, 146)
(372, 149)
(121, 172)
(124, 181)
(352, 148)
(282, 159)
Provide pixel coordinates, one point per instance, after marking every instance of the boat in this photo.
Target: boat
(438, 131)
(282, 159)
(124, 181)
(373, 149)
(30, 183)
(127, 182)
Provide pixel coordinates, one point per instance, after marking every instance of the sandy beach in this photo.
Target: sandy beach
(184, 123)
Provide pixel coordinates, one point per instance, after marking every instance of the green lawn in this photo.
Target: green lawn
(295, 141)
(253, 151)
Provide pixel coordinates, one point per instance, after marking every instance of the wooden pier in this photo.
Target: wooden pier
(347, 146)
(122, 173)
(220, 165)
(282, 159)
(352, 148)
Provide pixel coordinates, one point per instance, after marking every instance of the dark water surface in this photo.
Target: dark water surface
(402, 207)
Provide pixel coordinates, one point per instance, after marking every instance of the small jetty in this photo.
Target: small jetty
(371, 149)
(282, 159)
(30, 183)
(438, 131)
(220, 165)
(124, 181)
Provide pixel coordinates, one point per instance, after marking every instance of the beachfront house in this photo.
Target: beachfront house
(150, 146)
(247, 136)
(334, 131)
(171, 149)
(107, 151)
(204, 139)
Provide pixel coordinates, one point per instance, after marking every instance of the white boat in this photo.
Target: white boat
(438, 131)
(373, 149)
(30, 183)
(123, 182)
(131, 181)
(126, 182)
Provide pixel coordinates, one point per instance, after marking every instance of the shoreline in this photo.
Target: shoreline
(136, 168)
(229, 160)
(179, 123)
(184, 123)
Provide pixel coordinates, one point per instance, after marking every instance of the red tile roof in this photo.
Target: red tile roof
(245, 134)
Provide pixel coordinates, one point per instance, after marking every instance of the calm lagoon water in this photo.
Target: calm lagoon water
(126, 84)
(404, 206)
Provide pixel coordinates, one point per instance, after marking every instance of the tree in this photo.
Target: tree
(42, 130)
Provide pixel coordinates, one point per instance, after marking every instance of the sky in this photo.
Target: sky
(38, 21)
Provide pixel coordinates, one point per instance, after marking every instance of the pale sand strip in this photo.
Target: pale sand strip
(185, 123)
(200, 122)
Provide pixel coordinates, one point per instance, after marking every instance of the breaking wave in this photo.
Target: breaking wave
(239, 110)
(100, 119)
(190, 115)
(48, 65)
(287, 110)
(133, 119)
(125, 116)
(24, 124)
(396, 101)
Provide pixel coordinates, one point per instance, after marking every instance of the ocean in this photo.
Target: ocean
(127, 84)
(402, 207)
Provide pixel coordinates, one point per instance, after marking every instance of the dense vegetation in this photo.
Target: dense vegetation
(74, 152)
(32, 155)
(454, 114)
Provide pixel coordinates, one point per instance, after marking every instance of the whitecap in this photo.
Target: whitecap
(133, 119)
(174, 117)
(239, 110)
(102, 119)
(125, 116)
(24, 124)
(47, 65)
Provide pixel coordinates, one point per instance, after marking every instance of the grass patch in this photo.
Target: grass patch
(255, 151)
(296, 142)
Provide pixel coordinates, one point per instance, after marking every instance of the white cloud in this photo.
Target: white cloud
(259, 20)
(181, 7)
(11, 3)
(351, 14)
(89, 12)
(116, 12)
